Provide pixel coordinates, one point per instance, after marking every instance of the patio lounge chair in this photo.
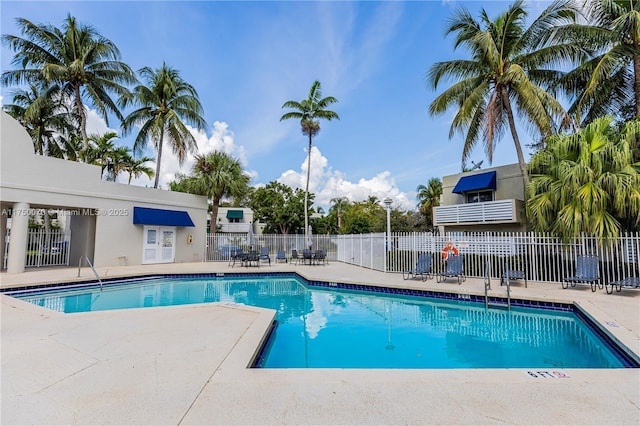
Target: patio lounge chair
(264, 255)
(281, 256)
(422, 269)
(632, 282)
(586, 272)
(453, 268)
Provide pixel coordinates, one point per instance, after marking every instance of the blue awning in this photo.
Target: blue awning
(146, 216)
(478, 182)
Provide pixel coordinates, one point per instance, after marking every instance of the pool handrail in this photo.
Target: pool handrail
(92, 268)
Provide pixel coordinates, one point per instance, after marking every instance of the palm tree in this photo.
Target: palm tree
(339, 203)
(218, 175)
(586, 182)
(100, 150)
(119, 158)
(429, 196)
(163, 104)
(309, 111)
(138, 167)
(43, 113)
(83, 63)
(609, 82)
(506, 70)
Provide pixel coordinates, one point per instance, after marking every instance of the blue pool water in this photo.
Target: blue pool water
(320, 327)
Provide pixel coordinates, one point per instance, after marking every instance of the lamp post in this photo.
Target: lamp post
(387, 203)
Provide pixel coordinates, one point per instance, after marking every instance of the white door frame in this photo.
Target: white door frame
(158, 244)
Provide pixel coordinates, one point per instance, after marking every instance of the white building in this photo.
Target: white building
(110, 223)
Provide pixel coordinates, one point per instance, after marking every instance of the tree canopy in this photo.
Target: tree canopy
(586, 182)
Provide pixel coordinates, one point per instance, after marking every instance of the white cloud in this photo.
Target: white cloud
(221, 139)
(327, 184)
(324, 182)
(96, 124)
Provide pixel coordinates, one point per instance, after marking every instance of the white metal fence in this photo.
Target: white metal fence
(43, 248)
(542, 257)
(221, 245)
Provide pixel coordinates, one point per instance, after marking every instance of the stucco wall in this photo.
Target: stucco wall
(52, 183)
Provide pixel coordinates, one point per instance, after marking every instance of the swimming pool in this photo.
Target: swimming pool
(321, 325)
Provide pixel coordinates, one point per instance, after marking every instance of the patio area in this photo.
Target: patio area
(187, 364)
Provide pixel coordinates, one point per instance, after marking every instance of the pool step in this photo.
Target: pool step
(495, 305)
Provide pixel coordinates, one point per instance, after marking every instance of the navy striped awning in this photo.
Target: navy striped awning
(159, 217)
(478, 182)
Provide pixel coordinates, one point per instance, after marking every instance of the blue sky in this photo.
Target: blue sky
(246, 59)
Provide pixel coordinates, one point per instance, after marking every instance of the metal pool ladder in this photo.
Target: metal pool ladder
(487, 287)
(92, 268)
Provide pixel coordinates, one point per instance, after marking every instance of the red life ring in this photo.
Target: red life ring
(449, 248)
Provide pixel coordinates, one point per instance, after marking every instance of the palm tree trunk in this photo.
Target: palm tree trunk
(83, 121)
(160, 143)
(306, 195)
(215, 204)
(516, 140)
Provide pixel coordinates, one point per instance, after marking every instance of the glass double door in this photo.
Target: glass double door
(159, 245)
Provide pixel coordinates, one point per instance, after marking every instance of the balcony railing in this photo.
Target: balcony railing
(235, 227)
(502, 211)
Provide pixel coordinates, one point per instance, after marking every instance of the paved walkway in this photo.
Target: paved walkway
(187, 365)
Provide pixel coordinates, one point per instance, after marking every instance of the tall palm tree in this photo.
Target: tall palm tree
(586, 182)
(429, 196)
(609, 81)
(507, 69)
(339, 203)
(83, 63)
(42, 112)
(165, 104)
(309, 111)
(217, 175)
(137, 167)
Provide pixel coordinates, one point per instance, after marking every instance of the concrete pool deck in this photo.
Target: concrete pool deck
(187, 365)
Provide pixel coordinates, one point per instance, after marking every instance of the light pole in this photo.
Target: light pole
(387, 203)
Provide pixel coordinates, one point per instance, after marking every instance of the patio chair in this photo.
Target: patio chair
(586, 272)
(422, 269)
(252, 258)
(295, 256)
(281, 256)
(511, 275)
(632, 282)
(320, 256)
(237, 255)
(453, 268)
(307, 255)
(264, 255)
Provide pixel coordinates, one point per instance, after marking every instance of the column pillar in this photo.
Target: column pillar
(18, 238)
(3, 232)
